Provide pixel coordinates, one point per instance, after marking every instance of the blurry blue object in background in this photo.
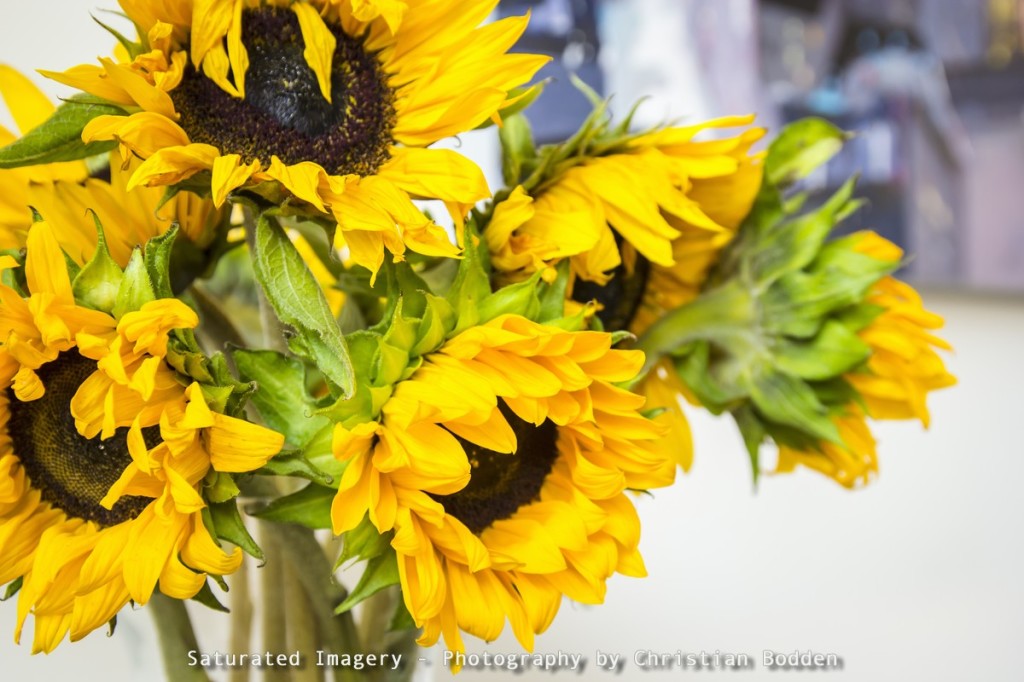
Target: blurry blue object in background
(566, 30)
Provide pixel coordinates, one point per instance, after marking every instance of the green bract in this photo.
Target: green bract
(775, 329)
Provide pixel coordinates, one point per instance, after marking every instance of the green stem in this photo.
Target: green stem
(725, 311)
(177, 639)
(217, 325)
(300, 547)
(273, 598)
(303, 633)
(241, 619)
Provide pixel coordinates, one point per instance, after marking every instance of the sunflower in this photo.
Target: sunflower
(902, 370)
(641, 228)
(501, 465)
(67, 195)
(904, 366)
(103, 452)
(335, 101)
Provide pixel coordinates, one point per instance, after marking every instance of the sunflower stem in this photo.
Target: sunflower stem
(303, 635)
(217, 324)
(275, 638)
(241, 619)
(313, 569)
(177, 639)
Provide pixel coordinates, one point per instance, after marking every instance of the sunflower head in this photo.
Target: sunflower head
(73, 196)
(791, 325)
(327, 103)
(634, 214)
(113, 427)
(498, 469)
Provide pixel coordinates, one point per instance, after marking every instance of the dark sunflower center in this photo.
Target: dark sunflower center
(73, 472)
(500, 483)
(621, 297)
(284, 112)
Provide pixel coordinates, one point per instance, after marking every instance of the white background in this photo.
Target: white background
(917, 577)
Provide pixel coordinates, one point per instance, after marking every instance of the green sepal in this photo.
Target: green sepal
(15, 277)
(191, 363)
(319, 453)
(98, 282)
(158, 262)
(527, 95)
(518, 299)
(788, 400)
(281, 397)
(553, 296)
(309, 507)
(228, 525)
(401, 619)
(136, 289)
(790, 246)
(363, 542)
(800, 148)
(13, 588)
(112, 626)
(381, 571)
(133, 48)
(472, 283)
(438, 319)
(207, 598)
(59, 138)
(753, 432)
(299, 303)
(716, 394)
(295, 464)
(834, 350)
(517, 148)
(219, 487)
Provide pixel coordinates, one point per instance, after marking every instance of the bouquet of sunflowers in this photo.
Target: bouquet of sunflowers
(229, 326)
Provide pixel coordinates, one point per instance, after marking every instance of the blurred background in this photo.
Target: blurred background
(916, 577)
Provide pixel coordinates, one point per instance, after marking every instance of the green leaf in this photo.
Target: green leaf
(98, 282)
(158, 262)
(363, 542)
(309, 507)
(207, 598)
(299, 302)
(136, 289)
(228, 525)
(381, 572)
(800, 148)
(59, 138)
(295, 464)
(281, 396)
